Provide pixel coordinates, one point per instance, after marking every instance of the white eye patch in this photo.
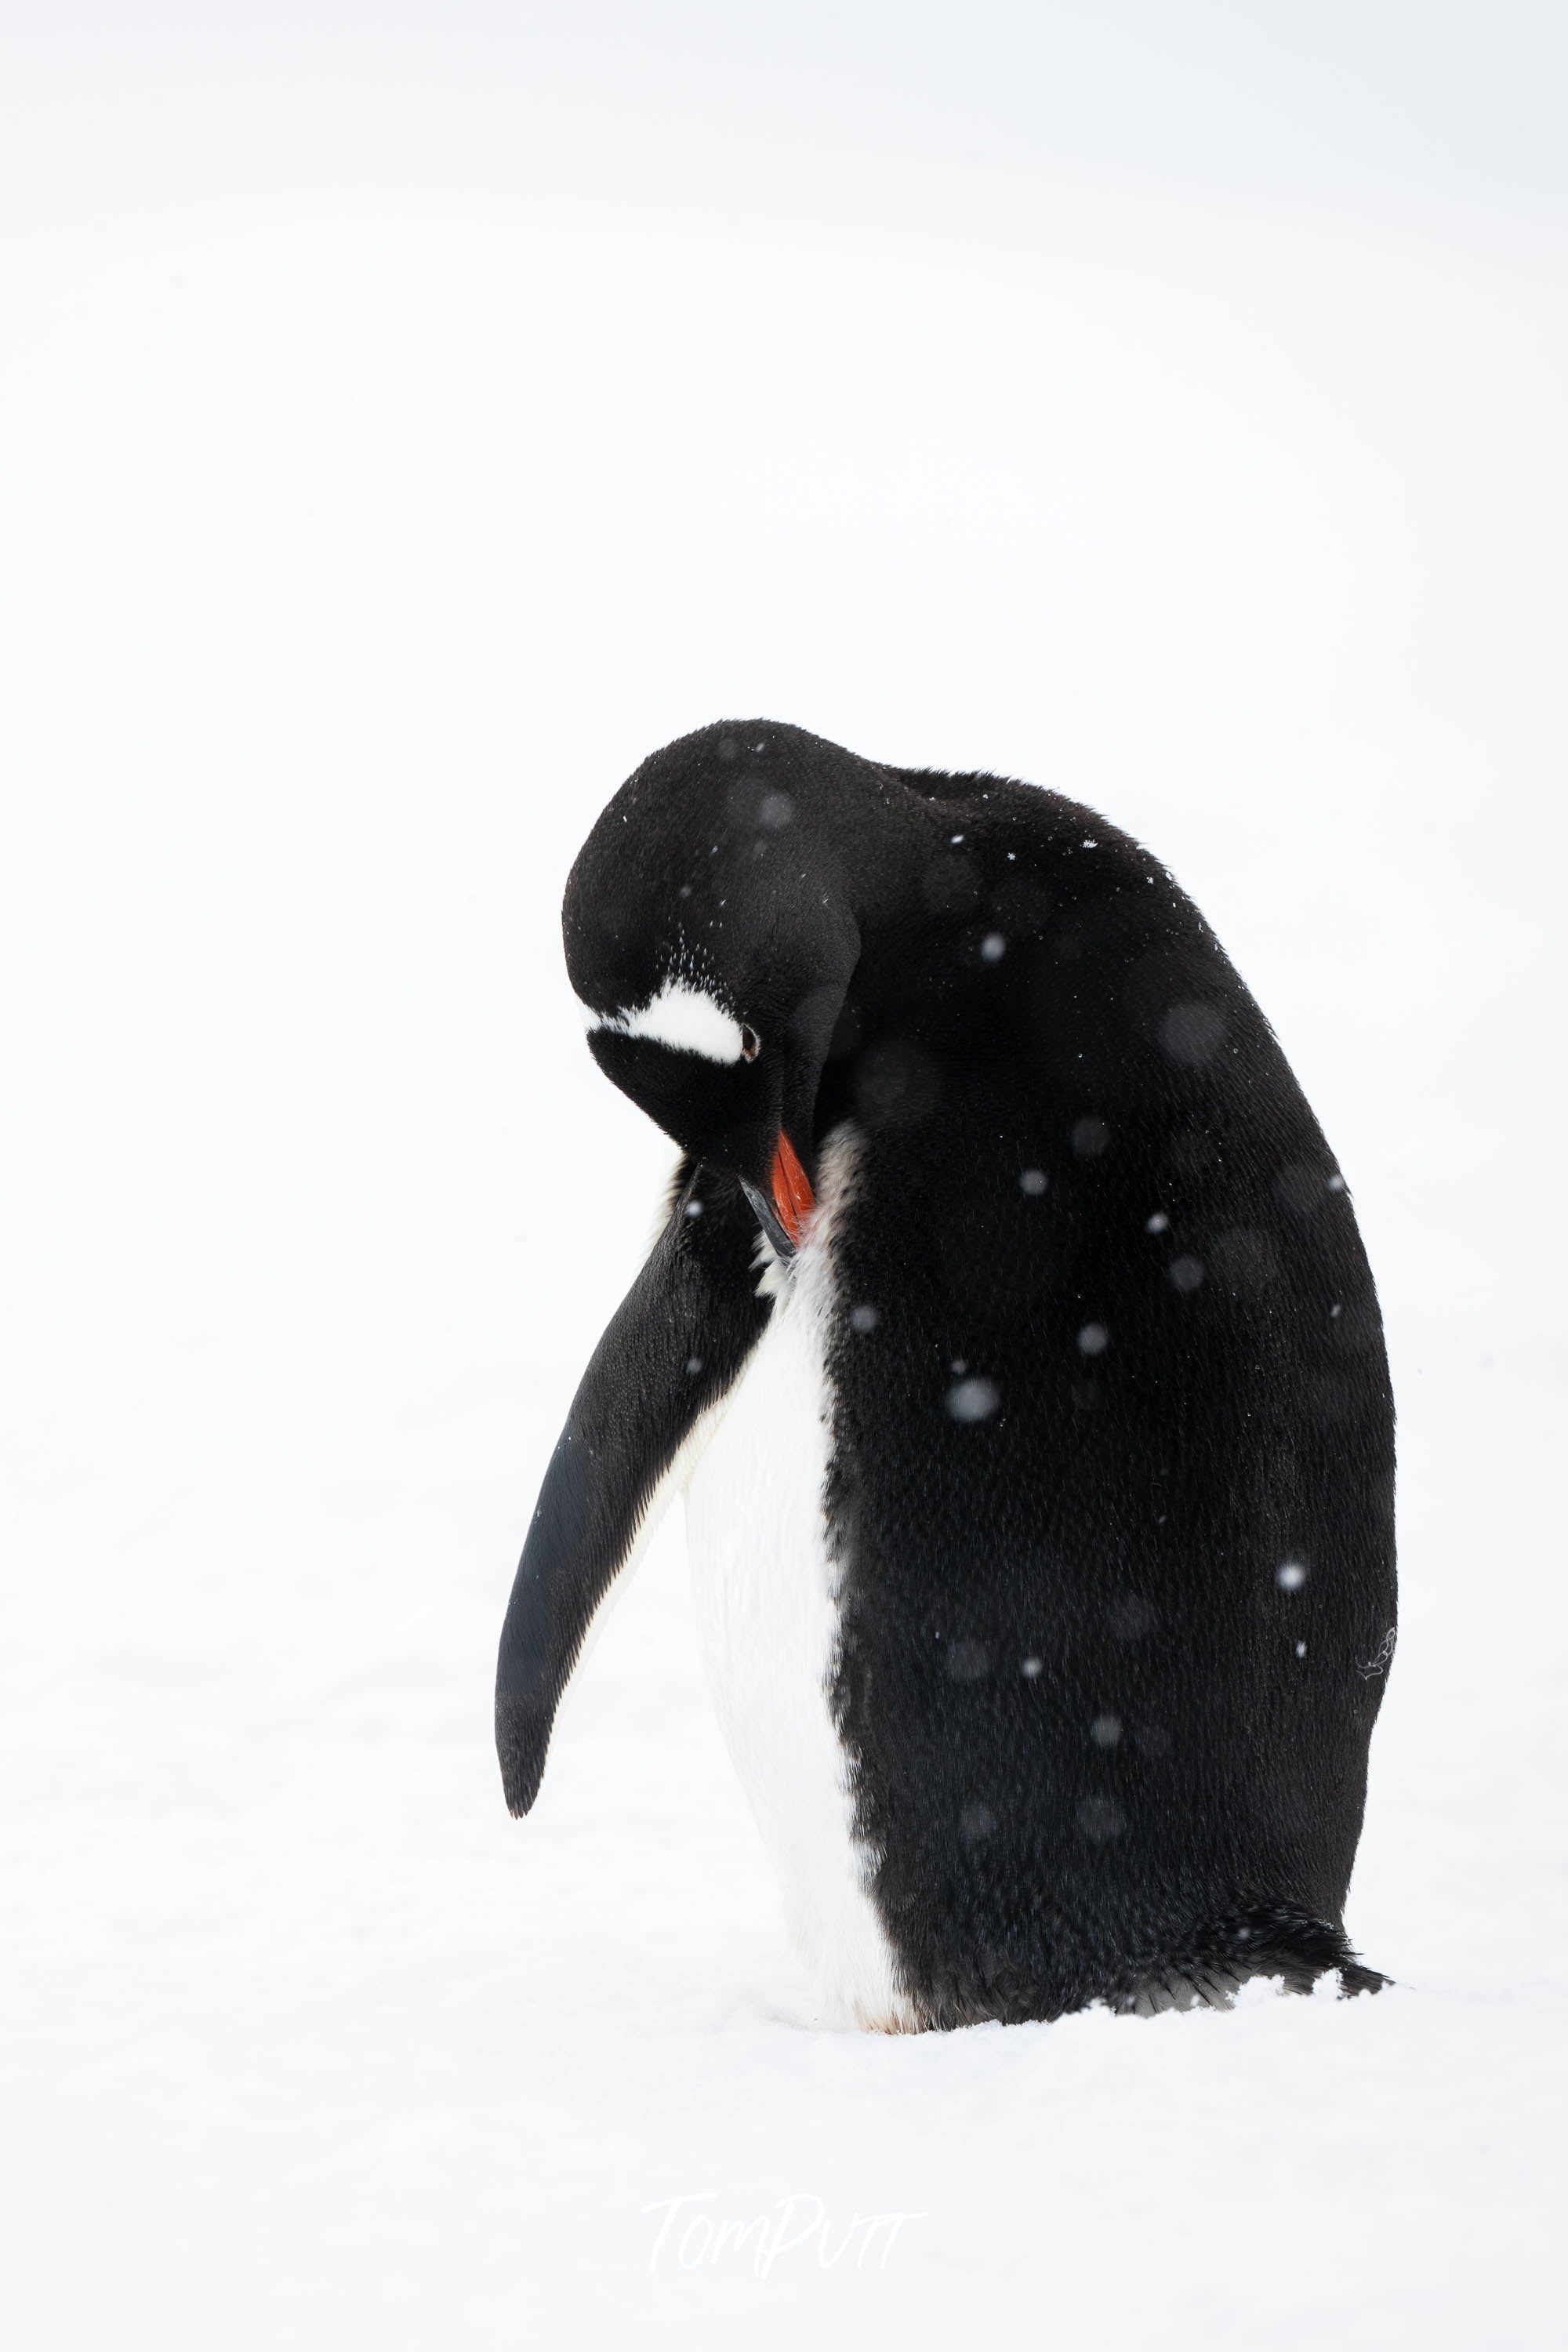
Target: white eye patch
(684, 1017)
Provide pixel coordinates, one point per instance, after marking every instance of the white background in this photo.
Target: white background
(409, 417)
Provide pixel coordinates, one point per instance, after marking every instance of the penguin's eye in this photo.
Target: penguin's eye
(750, 1043)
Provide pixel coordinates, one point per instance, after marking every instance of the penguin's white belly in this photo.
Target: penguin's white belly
(768, 1619)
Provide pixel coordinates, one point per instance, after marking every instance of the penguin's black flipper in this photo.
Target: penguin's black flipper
(676, 1343)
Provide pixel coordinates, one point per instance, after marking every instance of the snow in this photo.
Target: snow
(972, 1400)
(398, 444)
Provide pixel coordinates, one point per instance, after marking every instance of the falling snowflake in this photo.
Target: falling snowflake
(972, 1400)
(1100, 1818)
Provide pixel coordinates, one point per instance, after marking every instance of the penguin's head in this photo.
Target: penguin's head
(710, 939)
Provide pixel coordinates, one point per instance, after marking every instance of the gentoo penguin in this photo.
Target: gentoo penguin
(1010, 1337)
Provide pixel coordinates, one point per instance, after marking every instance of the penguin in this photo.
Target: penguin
(1011, 1339)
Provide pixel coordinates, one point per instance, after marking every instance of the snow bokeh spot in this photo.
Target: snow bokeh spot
(972, 1400)
(1193, 1034)
(1100, 1818)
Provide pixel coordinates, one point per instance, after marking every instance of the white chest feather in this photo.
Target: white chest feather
(768, 1619)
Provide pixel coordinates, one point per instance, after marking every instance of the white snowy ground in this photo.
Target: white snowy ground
(387, 466)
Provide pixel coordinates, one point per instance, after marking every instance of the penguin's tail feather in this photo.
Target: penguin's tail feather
(1211, 1967)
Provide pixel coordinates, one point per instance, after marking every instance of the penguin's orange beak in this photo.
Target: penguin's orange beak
(793, 1196)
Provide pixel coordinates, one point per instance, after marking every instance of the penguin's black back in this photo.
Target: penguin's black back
(1112, 1488)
